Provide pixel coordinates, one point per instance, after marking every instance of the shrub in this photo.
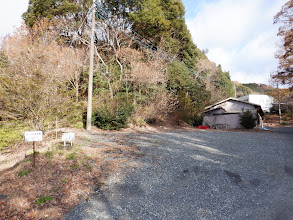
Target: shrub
(79, 125)
(247, 120)
(138, 121)
(197, 120)
(112, 116)
(275, 109)
(151, 120)
(49, 154)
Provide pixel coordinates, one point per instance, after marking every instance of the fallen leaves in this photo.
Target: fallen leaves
(57, 183)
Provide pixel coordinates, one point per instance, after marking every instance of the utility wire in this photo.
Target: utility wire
(135, 36)
(138, 40)
(91, 8)
(150, 42)
(118, 4)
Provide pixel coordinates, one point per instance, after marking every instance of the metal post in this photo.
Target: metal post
(34, 154)
(235, 91)
(279, 104)
(90, 87)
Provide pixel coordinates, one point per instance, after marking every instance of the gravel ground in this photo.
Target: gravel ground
(199, 175)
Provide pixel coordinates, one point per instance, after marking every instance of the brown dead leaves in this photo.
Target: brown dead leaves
(60, 180)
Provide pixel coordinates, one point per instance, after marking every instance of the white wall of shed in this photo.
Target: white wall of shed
(265, 101)
(232, 120)
(234, 106)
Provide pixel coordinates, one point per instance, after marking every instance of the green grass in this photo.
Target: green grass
(49, 154)
(74, 166)
(64, 181)
(88, 168)
(56, 189)
(44, 199)
(23, 173)
(79, 125)
(37, 153)
(71, 156)
(10, 134)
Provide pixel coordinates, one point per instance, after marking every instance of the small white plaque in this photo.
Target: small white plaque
(31, 136)
(68, 136)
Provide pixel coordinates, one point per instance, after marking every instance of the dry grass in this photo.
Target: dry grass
(273, 120)
(60, 179)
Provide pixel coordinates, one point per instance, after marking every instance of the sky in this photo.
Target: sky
(239, 34)
(10, 15)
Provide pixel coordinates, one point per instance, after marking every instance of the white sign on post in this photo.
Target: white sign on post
(68, 137)
(31, 136)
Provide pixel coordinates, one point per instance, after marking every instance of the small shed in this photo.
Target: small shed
(225, 114)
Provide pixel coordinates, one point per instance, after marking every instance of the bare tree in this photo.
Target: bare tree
(285, 54)
(209, 72)
(40, 72)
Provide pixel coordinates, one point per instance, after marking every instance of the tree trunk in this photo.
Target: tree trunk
(127, 89)
(110, 88)
(76, 91)
(280, 113)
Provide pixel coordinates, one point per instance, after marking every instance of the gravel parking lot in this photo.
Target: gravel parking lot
(200, 175)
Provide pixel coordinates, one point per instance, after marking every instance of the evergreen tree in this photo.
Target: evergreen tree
(162, 21)
(69, 17)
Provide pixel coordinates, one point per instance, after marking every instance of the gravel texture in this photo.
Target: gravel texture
(200, 175)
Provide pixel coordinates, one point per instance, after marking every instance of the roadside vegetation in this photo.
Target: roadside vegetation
(11, 133)
(44, 67)
(61, 178)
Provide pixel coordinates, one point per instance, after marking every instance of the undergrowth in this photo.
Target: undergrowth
(50, 187)
(11, 133)
(112, 116)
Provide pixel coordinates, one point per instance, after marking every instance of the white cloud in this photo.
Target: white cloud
(225, 22)
(222, 56)
(245, 77)
(258, 53)
(240, 36)
(10, 15)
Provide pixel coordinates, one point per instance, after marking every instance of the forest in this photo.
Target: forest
(147, 69)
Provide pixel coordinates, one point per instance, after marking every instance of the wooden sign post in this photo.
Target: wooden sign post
(32, 136)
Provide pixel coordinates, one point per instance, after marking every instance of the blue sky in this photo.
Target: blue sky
(239, 34)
